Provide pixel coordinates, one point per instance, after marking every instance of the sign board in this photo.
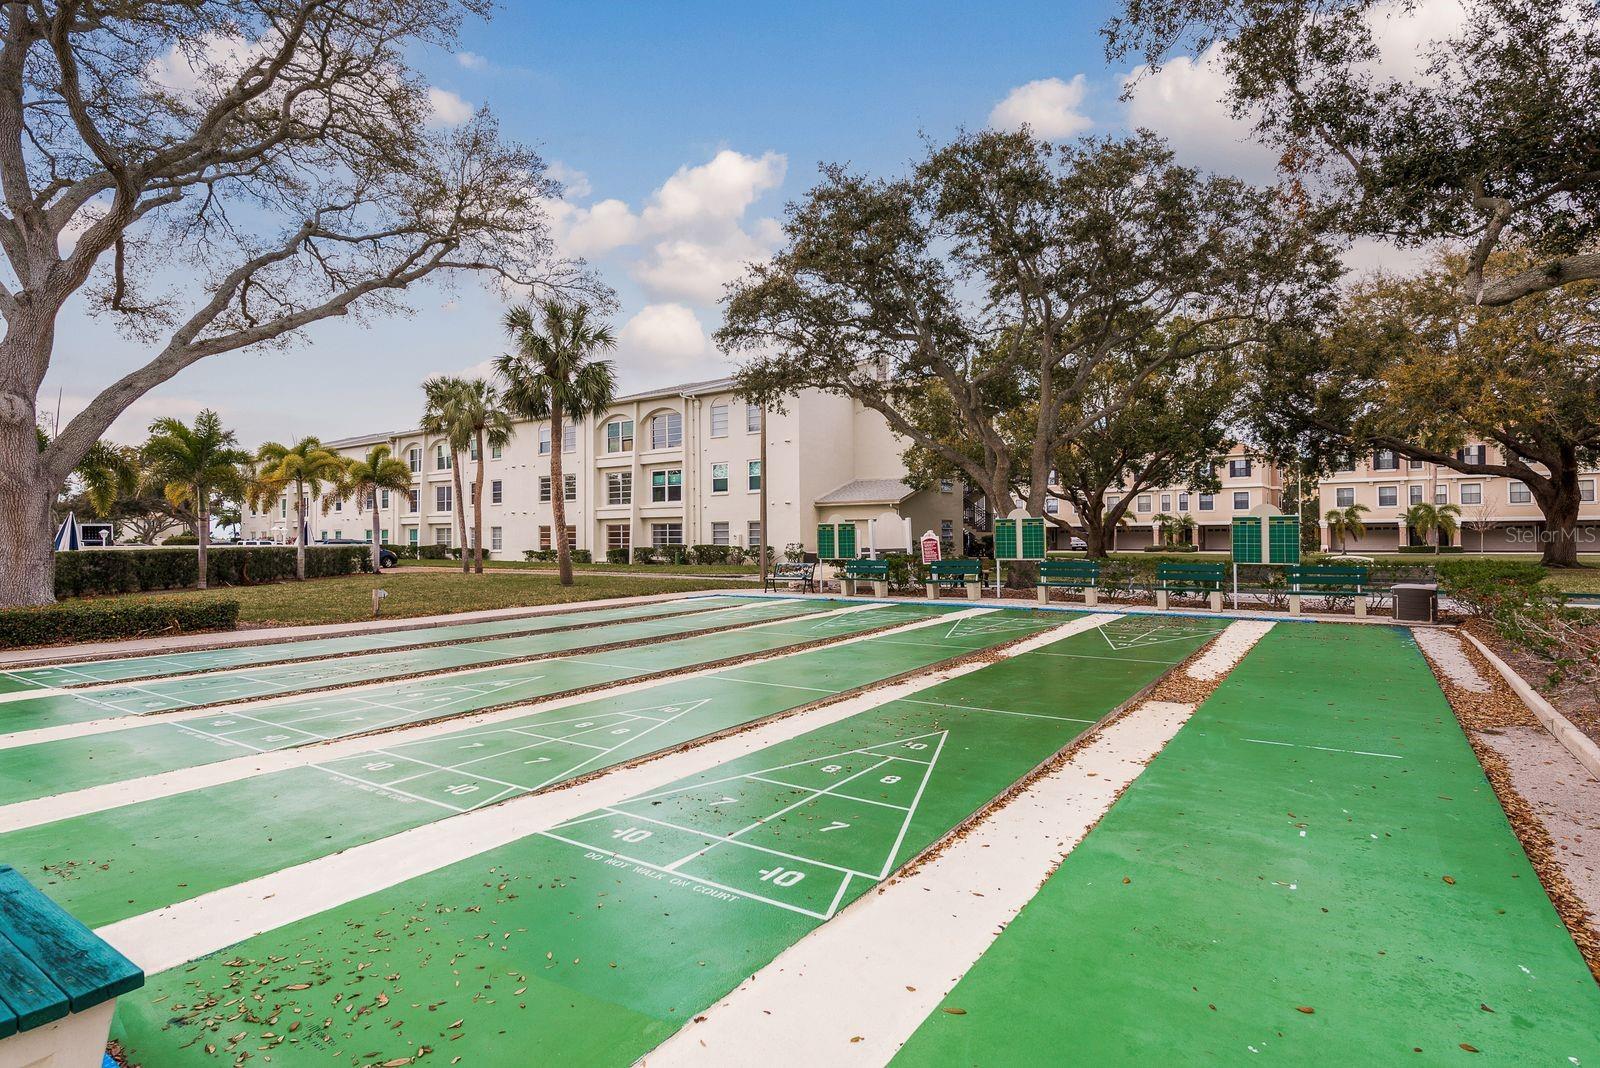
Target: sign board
(845, 541)
(1005, 539)
(930, 548)
(1247, 539)
(1033, 538)
(1283, 539)
(825, 542)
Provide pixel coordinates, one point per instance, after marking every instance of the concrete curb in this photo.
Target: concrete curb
(1580, 745)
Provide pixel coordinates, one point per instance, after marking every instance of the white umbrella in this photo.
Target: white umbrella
(69, 536)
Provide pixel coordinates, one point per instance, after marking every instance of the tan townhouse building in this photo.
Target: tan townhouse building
(1247, 484)
(674, 466)
(1498, 514)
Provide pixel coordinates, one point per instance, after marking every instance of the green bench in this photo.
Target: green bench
(1191, 579)
(873, 571)
(1073, 575)
(1327, 580)
(802, 574)
(949, 574)
(58, 981)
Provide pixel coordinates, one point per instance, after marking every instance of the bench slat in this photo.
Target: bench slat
(28, 998)
(80, 963)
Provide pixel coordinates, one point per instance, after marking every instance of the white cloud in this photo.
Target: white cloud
(189, 70)
(664, 337)
(1183, 101)
(692, 234)
(1048, 107)
(448, 108)
(133, 426)
(472, 61)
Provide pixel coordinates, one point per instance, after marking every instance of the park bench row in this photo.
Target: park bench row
(1207, 580)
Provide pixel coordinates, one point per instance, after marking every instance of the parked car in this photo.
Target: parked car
(1077, 544)
(386, 557)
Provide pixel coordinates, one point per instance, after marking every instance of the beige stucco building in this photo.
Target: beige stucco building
(1247, 483)
(673, 466)
(1498, 514)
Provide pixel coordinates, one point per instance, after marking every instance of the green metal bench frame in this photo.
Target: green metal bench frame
(1070, 574)
(1327, 580)
(1196, 578)
(790, 572)
(950, 574)
(864, 570)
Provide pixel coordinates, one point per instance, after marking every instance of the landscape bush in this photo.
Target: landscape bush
(80, 621)
(99, 572)
(616, 556)
(1508, 596)
(645, 554)
(1443, 550)
(710, 554)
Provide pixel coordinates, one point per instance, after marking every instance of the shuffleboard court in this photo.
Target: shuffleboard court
(1314, 870)
(110, 865)
(58, 767)
(160, 665)
(604, 935)
(223, 687)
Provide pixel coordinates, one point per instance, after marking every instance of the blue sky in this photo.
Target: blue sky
(681, 130)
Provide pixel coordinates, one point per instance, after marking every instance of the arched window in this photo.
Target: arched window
(666, 430)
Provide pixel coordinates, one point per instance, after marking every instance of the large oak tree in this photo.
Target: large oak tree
(1488, 137)
(214, 175)
(1003, 267)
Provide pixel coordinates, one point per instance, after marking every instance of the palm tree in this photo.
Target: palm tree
(307, 466)
(366, 478)
(1344, 523)
(444, 416)
(193, 465)
(552, 375)
(1433, 521)
(108, 472)
(478, 407)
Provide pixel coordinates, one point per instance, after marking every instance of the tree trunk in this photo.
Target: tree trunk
(377, 544)
(1560, 506)
(300, 532)
(461, 509)
(477, 508)
(27, 542)
(203, 533)
(558, 501)
(1094, 537)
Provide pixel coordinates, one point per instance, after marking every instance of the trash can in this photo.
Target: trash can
(1416, 602)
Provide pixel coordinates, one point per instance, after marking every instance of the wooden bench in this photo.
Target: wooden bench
(948, 574)
(1073, 575)
(788, 574)
(873, 571)
(1327, 580)
(59, 982)
(1190, 579)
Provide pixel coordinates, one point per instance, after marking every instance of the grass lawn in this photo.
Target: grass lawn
(625, 569)
(419, 592)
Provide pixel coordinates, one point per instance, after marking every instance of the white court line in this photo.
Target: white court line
(742, 845)
(847, 797)
(1000, 711)
(1326, 748)
(854, 989)
(165, 784)
(36, 691)
(170, 936)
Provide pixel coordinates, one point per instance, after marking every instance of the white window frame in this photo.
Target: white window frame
(719, 419)
(719, 473)
(666, 430)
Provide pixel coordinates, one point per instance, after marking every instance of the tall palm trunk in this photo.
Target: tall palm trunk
(204, 535)
(300, 531)
(477, 508)
(461, 508)
(377, 544)
(558, 500)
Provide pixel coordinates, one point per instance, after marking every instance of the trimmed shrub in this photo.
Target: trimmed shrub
(1443, 550)
(616, 556)
(582, 556)
(710, 554)
(100, 621)
(645, 554)
(181, 539)
(97, 572)
(538, 555)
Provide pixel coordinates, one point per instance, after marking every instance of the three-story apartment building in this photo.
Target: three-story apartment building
(1497, 514)
(673, 466)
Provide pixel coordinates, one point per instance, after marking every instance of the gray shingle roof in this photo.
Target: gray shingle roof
(868, 491)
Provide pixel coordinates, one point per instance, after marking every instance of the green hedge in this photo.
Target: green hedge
(101, 621)
(97, 572)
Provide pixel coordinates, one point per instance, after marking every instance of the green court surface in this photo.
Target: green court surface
(192, 691)
(593, 942)
(56, 767)
(1315, 870)
(109, 865)
(128, 668)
